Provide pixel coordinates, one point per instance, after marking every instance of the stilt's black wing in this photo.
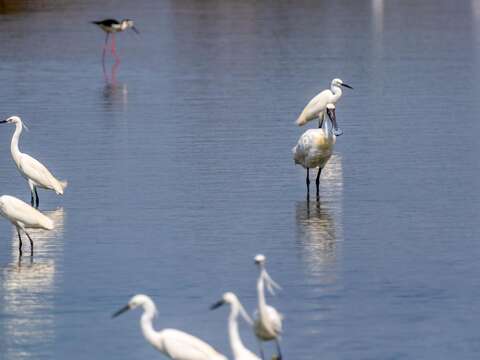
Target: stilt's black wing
(106, 22)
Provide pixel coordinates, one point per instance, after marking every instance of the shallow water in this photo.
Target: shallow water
(181, 171)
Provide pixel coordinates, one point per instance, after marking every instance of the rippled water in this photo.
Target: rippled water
(180, 171)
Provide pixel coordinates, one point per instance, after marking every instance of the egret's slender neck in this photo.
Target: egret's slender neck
(146, 322)
(337, 93)
(261, 290)
(235, 341)
(14, 144)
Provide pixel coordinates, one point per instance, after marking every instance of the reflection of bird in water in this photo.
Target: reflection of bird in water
(316, 233)
(319, 223)
(111, 26)
(26, 293)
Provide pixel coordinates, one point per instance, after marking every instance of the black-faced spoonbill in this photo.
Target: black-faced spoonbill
(175, 344)
(268, 321)
(240, 352)
(317, 106)
(23, 216)
(315, 146)
(111, 26)
(31, 169)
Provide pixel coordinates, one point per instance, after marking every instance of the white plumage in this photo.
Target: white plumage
(175, 344)
(315, 146)
(317, 106)
(268, 321)
(23, 216)
(31, 169)
(240, 352)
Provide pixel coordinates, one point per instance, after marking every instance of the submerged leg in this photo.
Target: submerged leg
(317, 181)
(261, 349)
(19, 242)
(279, 356)
(105, 48)
(31, 243)
(36, 197)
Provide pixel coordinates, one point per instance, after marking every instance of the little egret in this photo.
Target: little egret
(175, 344)
(268, 322)
(315, 146)
(23, 216)
(240, 352)
(316, 107)
(32, 170)
(111, 26)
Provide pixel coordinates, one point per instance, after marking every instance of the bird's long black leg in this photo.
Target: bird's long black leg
(261, 349)
(36, 197)
(32, 201)
(19, 242)
(279, 357)
(321, 118)
(31, 243)
(308, 181)
(317, 181)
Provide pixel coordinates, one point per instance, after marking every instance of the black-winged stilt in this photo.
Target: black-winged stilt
(111, 26)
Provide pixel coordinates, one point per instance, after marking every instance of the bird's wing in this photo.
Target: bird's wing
(36, 171)
(304, 144)
(314, 107)
(107, 22)
(182, 346)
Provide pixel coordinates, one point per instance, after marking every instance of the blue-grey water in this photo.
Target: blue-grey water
(180, 171)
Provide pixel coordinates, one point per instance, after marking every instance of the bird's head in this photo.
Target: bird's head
(127, 23)
(232, 299)
(136, 301)
(260, 259)
(339, 82)
(12, 120)
(333, 119)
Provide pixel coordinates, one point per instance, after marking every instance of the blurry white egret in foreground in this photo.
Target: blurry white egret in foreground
(317, 106)
(268, 321)
(175, 344)
(315, 146)
(240, 352)
(31, 169)
(23, 216)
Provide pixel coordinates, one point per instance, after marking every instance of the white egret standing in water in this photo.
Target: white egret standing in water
(317, 106)
(268, 321)
(175, 344)
(315, 146)
(240, 352)
(31, 169)
(23, 216)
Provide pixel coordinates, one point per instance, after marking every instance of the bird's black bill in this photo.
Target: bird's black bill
(121, 311)
(3, 121)
(135, 29)
(347, 86)
(217, 305)
(333, 119)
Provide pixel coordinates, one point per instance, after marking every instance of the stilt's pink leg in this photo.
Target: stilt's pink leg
(114, 50)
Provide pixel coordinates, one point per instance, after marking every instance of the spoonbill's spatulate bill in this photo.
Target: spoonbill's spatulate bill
(317, 106)
(23, 216)
(315, 146)
(112, 26)
(31, 169)
(175, 344)
(240, 352)
(268, 321)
